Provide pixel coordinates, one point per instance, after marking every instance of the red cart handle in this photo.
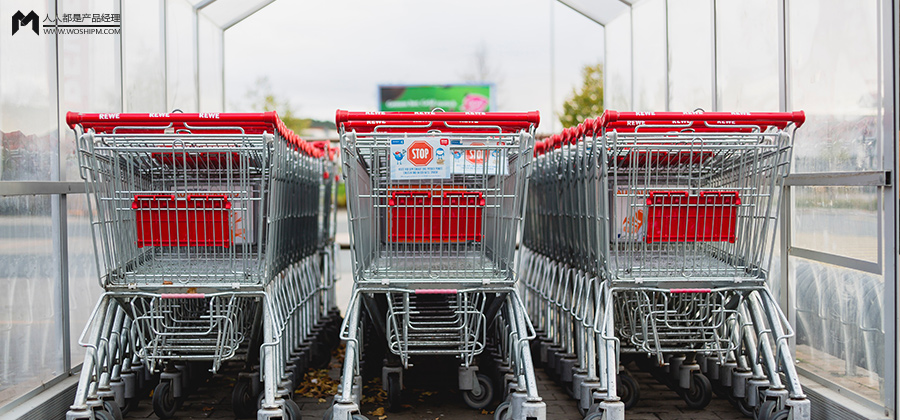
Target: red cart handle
(533, 117)
(218, 118)
(250, 122)
(425, 126)
(780, 119)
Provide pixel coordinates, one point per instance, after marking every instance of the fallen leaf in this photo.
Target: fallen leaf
(321, 400)
(378, 411)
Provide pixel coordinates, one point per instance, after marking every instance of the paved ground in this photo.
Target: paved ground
(431, 395)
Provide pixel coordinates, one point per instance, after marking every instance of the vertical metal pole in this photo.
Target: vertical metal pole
(164, 40)
(121, 58)
(714, 78)
(553, 67)
(668, 53)
(787, 298)
(783, 56)
(58, 224)
(222, 66)
(197, 56)
(890, 61)
(631, 52)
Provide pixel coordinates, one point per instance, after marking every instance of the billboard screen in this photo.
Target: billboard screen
(424, 98)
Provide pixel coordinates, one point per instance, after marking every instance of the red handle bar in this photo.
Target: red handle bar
(533, 117)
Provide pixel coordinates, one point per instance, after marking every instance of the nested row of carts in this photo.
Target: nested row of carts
(632, 240)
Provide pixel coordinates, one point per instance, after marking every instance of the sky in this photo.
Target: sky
(326, 55)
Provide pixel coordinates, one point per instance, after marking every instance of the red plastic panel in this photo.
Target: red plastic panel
(417, 216)
(202, 160)
(675, 216)
(197, 220)
(662, 158)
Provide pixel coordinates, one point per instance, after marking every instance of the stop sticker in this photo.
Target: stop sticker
(420, 153)
(475, 156)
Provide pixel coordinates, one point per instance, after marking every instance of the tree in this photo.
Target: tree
(262, 99)
(588, 102)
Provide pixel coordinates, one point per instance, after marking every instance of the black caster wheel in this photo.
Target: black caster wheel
(113, 409)
(131, 404)
(720, 390)
(742, 406)
(291, 410)
(502, 411)
(628, 389)
(781, 415)
(243, 404)
(483, 398)
(596, 416)
(164, 401)
(767, 410)
(103, 415)
(394, 391)
(699, 394)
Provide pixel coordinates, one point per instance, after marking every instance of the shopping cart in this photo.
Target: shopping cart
(206, 254)
(684, 209)
(435, 201)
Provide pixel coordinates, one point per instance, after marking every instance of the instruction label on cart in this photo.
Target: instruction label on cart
(420, 158)
(480, 157)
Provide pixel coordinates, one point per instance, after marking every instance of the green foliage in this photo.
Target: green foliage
(588, 102)
(264, 100)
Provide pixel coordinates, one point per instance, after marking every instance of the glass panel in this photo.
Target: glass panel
(211, 62)
(30, 327)
(840, 325)
(837, 220)
(84, 287)
(690, 55)
(617, 82)
(835, 78)
(90, 76)
(573, 29)
(747, 55)
(649, 49)
(144, 55)
(28, 108)
(181, 77)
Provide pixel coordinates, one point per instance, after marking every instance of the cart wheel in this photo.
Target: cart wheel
(601, 415)
(502, 411)
(291, 410)
(781, 415)
(103, 415)
(742, 406)
(628, 389)
(393, 390)
(243, 404)
(359, 417)
(720, 390)
(112, 408)
(164, 404)
(131, 404)
(699, 394)
(767, 410)
(482, 399)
